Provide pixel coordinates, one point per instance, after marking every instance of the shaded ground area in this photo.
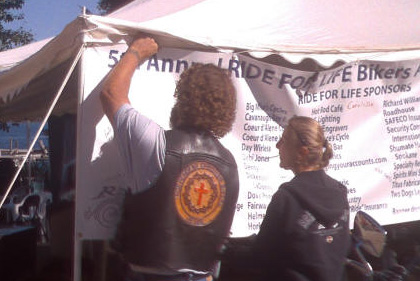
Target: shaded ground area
(24, 258)
(53, 261)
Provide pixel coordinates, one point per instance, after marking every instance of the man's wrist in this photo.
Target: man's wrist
(135, 53)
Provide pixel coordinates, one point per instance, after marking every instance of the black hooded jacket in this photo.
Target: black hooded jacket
(305, 234)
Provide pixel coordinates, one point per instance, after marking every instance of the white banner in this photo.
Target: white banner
(369, 111)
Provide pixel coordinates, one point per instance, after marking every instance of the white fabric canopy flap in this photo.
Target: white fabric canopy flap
(296, 26)
(325, 30)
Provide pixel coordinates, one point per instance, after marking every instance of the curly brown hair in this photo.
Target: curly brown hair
(205, 99)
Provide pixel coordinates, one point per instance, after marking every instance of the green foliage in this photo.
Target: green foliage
(11, 38)
(108, 6)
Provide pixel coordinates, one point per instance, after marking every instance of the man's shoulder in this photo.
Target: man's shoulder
(197, 141)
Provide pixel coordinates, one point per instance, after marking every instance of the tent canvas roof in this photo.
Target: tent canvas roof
(326, 30)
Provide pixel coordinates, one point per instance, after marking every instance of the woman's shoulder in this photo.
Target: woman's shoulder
(283, 191)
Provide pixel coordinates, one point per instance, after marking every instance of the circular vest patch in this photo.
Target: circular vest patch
(199, 193)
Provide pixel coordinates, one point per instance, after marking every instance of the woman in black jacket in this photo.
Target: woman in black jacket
(305, 234)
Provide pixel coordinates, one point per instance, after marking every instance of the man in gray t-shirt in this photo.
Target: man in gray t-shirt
(183, 184)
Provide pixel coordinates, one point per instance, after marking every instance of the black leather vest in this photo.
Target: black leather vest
(182, 221)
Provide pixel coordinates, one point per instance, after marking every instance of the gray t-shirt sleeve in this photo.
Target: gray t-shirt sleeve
(141, 144)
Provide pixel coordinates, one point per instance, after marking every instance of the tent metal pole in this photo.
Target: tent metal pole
(54, 102)
(77, 244)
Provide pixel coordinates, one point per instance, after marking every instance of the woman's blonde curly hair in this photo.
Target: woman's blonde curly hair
(205, 99)
(309, 133)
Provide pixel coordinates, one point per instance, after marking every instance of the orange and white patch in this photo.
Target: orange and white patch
(199, 193)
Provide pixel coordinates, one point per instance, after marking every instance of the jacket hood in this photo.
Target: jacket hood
(324, 197)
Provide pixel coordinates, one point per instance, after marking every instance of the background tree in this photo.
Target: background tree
(9, 37)
(107, 6)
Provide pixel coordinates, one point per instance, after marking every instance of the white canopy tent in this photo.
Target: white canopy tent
(286, 26)
(43, 78)
(295, 29)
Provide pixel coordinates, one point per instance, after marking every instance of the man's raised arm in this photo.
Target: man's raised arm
(114, 93)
